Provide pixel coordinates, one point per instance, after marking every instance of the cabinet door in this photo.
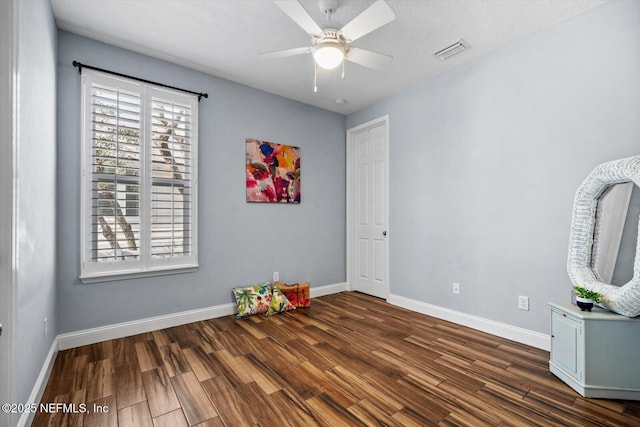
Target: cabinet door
(565, 340)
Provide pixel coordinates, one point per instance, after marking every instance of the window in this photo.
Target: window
(139, 186)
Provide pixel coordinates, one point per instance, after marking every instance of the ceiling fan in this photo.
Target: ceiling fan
(330, 45)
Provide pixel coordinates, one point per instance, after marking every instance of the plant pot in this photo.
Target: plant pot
(584, 304)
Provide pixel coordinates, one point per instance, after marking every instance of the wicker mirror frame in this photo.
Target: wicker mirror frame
(624, 299)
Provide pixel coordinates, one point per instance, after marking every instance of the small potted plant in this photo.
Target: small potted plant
(585, 298)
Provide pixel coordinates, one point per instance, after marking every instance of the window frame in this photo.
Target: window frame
(145, 265)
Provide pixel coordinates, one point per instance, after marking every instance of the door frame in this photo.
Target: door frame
(351, 227)
(8, 205)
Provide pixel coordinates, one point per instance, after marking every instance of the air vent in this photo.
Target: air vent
(451, 50)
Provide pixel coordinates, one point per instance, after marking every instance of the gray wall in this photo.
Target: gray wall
(240, 243)
(36, 177)
(485, 162)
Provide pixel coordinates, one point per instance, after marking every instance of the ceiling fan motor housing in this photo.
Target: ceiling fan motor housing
(328, 35)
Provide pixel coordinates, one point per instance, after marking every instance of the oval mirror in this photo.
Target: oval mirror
(603, 242)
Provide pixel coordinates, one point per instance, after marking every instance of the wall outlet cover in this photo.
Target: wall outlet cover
(523, 303)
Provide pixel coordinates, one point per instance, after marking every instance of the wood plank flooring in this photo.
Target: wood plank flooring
(348, 360)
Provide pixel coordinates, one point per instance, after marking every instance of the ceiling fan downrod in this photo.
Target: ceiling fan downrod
(328, 7)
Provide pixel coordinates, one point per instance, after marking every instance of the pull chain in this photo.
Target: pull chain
(315, 77)
(343, 69)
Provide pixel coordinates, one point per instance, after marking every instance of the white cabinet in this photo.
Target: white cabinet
(596, 353)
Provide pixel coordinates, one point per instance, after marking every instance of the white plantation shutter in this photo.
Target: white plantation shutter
(171, 174)
(115, 174)
(139, 185)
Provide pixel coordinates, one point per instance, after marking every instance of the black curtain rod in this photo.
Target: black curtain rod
(80, 65)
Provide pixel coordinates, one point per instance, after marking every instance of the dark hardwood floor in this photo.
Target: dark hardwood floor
(348, 360)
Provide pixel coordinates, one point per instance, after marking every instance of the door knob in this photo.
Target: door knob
(384, 233)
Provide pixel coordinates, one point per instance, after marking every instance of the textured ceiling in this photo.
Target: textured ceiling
(224, 37)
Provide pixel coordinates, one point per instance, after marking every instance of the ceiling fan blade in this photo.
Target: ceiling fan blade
(377, 15)
(286, 52)
(369, 59)
(300, 16)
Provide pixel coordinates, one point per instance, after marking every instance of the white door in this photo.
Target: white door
(7, 111)
(368, 263)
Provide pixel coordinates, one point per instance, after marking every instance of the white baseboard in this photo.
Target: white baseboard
(125, 329)
(320, 291)
(514, 333)
(41, 382)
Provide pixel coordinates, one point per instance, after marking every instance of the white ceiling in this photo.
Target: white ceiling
(224, 37)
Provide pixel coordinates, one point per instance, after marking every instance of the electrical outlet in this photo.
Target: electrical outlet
(46, 328)
(523, 303)
(276, 276)
(456, 288)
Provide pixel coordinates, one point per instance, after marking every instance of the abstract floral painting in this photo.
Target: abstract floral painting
(273, 172)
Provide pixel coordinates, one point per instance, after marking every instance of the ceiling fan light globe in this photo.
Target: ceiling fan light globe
(328, 55)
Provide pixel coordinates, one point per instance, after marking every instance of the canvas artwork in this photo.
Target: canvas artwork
(273, 172)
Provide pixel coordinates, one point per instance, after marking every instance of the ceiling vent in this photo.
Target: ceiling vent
(451, 50)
